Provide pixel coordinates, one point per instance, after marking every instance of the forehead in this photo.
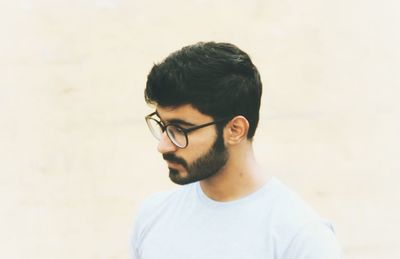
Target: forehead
(184, 112)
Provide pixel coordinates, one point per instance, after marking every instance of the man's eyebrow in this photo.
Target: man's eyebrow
(180, 122)
(176, 121)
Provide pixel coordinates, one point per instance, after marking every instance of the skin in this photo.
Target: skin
(240, 176)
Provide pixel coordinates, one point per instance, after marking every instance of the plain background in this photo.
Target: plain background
(76, 159)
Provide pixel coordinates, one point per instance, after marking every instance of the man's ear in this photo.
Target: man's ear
(236, 130)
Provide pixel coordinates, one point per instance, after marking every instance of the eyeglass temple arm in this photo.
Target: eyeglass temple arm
(205, 125)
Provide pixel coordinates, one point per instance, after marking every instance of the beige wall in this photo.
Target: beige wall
(76, 157)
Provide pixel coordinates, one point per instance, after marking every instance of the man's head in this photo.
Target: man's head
(198, 84)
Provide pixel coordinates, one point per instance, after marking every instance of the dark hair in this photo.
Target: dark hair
(218, 79)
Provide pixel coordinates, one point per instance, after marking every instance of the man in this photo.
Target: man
(207, 99)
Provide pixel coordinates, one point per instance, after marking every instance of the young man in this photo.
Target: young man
(207, 99)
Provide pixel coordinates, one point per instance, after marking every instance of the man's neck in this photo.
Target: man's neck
(240, 177)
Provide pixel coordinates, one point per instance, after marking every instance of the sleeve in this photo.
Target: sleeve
(316, 240)
(134, 241)
(137, 229)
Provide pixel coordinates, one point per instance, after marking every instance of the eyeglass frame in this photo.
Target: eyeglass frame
(184, 130)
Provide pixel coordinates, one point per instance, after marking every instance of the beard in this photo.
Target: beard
(203, 167)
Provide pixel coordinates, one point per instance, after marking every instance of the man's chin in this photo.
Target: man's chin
(178, 178)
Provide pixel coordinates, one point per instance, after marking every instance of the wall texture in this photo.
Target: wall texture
(76, 159)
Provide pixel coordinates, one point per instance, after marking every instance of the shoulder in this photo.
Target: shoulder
(315, 240)
(157, 202)
(288, 207)
(298, 227)
(151, 211)
(156, 205)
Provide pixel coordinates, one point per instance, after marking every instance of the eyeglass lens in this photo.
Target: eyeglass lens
(155, 128)
(175, 134)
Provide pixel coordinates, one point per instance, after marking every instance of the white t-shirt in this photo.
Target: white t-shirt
(271, 223)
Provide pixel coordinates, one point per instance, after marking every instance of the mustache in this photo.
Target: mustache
(174, 159)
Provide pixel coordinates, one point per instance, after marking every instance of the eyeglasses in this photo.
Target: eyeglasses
(177, 134)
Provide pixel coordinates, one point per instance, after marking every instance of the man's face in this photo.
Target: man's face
(205, 154)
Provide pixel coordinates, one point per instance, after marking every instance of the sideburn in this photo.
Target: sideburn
(219, 144)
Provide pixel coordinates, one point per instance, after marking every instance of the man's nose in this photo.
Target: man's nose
(165, 145)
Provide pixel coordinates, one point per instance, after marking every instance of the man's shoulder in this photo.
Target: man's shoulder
(296, 223)
(157, 202)
(156, 199)
(288, 205)
(314, 240)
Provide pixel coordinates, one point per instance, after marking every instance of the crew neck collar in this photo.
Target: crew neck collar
(251, 196)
